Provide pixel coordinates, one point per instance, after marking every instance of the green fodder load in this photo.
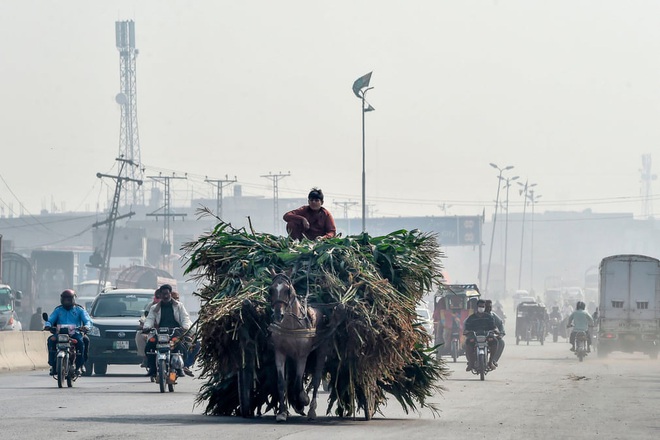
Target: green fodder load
(377, 349)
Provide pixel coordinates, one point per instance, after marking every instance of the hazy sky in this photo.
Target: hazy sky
(566, 91)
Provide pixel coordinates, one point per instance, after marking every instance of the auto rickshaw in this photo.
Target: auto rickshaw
(453, 303)
(531, 322)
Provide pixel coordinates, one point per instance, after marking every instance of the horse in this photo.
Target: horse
(295, 333)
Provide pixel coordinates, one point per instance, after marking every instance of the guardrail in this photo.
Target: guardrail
(23, 351)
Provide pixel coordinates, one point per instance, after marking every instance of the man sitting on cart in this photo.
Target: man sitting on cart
(479, 322)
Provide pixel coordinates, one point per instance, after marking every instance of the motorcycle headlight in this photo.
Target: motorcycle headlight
(94, 331)
(62, 338)
(163, 339)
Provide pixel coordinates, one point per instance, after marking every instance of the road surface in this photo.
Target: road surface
(537, 392)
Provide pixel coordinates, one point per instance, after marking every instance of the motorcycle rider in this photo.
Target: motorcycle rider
(582, 322)
(194, 347)
(479, 322)
(68, 313)
(141, 338)
(500, 328)
(168, 313)
(556, 318)
(499, 311)
(555, 314)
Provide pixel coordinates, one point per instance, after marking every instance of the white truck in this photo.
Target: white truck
(629, 313)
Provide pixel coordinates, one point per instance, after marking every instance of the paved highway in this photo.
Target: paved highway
(538, 392)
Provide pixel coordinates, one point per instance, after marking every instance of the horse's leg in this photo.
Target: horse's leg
(316, 381)
(280, 361)
(303, 398)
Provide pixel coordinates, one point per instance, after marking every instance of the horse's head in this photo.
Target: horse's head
(282, 296)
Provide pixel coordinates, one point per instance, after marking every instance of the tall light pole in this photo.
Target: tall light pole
(445, 207)
(524, 191)
(506, 227)
(497, 202)
(533, 198)
(360, 88)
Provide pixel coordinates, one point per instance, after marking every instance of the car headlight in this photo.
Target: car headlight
(94, 331)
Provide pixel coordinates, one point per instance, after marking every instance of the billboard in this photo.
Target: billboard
(451, 231)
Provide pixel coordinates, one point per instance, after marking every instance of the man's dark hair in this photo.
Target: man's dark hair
(165, 287)
(481, 301)
(315, 193)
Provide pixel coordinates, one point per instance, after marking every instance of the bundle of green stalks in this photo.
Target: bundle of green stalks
(378, 348)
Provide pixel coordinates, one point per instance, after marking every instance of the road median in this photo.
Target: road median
(23, 351)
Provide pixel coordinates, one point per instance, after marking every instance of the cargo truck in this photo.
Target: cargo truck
(629, 295)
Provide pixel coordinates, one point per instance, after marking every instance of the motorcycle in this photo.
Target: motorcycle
(554, 328)
(168, 361)
(581, 349)
(455, 347)
(482, 352)
(67, 351)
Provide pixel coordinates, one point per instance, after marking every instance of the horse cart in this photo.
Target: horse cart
(280, 316)
(453, 303)
(531, 322)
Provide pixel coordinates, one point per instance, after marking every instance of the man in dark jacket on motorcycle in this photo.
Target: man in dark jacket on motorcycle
(168, 313)
(479, 322)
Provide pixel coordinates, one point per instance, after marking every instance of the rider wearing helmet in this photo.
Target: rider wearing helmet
(68, 314)
(479, 322)
(582, 322)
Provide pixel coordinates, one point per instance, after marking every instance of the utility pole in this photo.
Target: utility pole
(166, 247)
(104, 260)
(276, 208)
(345, 206)
(219, 184)
(647, 177)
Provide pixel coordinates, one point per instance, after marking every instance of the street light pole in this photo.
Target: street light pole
(533, 198)
(497, 202)
(360, 89)
(506, 229)
(369, 108)
(524, 191)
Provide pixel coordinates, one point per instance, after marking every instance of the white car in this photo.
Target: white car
(425, 318)
(9, 322)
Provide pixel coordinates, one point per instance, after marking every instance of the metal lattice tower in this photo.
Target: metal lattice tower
(129, 140)
(646, 178)
(276, 205)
